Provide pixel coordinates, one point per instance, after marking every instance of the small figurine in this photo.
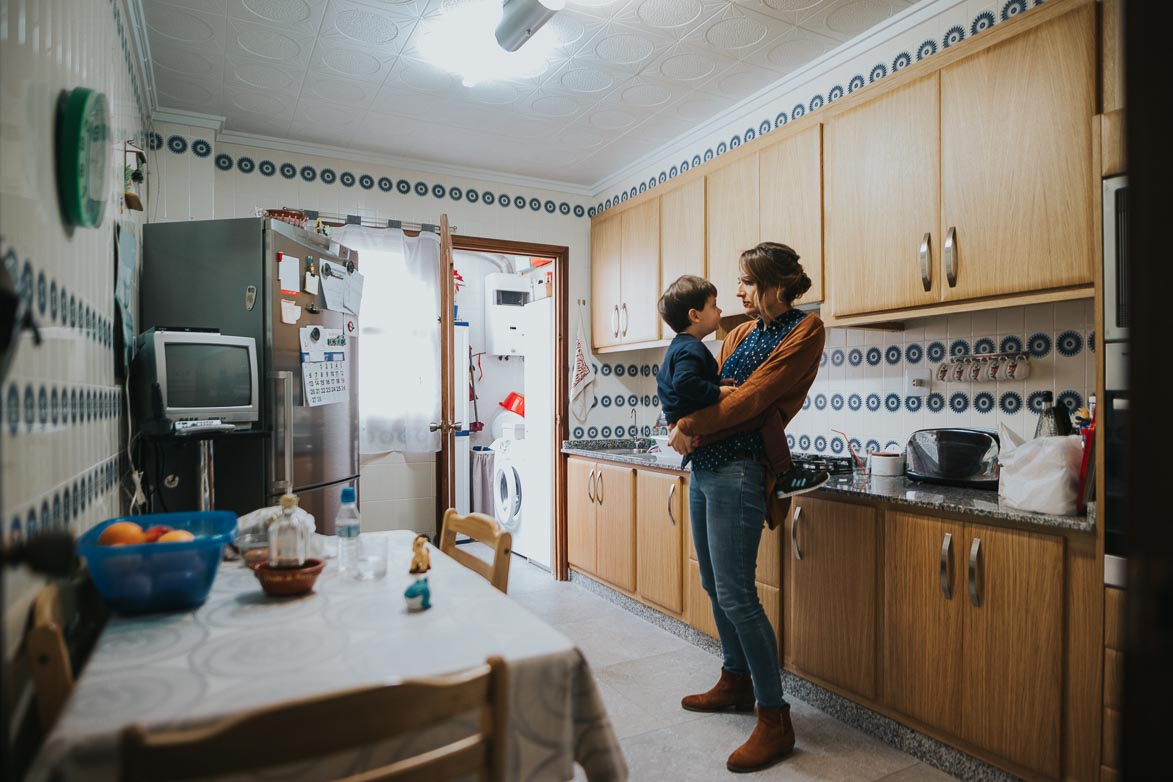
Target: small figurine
(418, 596)
(420, 563)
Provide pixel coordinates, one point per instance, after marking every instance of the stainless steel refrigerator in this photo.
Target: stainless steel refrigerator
(224, 274)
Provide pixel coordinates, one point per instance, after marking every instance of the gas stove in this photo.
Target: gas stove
(835, 465)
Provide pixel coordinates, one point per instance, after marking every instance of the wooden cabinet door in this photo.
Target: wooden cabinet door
(831, 593)
(615, 493)
(1017, 181)
(606, 246)
(790, 201)
(659, 515)
(881, 176)
(732, 215)
(580, 514)
(769, 564)
(639, 318)
(682, 236)
(1013, 657)
(923, 619)
(700, 607)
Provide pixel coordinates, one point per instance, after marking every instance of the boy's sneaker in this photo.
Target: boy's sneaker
(799, 481)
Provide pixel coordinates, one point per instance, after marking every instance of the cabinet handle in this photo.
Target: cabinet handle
(590, 486)
(794, 532)
(926, 261)
(946, 562)
(615, 321)
(625, 319)
(974, 598)
(599, 487)
(671, 492)
(951, 257)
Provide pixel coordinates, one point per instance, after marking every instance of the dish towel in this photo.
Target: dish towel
(582, 373)
(482, 482)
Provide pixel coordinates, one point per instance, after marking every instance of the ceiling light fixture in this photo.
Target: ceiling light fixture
(461, 41)
(520, 19)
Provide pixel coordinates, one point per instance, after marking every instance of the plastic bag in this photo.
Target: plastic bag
(1040, 475)
(252, 529)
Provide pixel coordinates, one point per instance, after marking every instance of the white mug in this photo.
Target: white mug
(960, 370)
(1018, 368)
(886, 464)
(943, 371)
(977, 370)
(994, 369)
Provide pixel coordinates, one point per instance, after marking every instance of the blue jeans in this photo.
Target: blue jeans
(728, 508)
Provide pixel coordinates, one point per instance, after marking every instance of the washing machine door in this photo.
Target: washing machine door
(507, 496)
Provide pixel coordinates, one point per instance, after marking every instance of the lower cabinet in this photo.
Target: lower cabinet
(581, 538)
(659, 523)
(973, 634)
(600, 520)
(830, 593)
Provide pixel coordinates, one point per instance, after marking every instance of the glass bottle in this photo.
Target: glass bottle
(288, 537)
(1054, 420)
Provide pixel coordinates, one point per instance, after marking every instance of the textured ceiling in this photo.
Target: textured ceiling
(627, 77)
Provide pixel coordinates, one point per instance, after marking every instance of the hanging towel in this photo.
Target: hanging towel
(482, 481)
(582, 373)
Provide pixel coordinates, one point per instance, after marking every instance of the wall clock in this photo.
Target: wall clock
(83, 140)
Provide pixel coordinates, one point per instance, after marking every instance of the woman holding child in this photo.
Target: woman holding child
(772, 360)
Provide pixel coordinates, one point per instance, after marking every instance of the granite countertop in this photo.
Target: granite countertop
(897, 491)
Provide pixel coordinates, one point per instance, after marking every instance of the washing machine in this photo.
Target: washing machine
(507, 483)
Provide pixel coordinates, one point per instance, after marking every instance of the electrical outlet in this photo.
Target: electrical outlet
(916, 382)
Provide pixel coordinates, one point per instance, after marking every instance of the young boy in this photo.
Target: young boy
(689, 378)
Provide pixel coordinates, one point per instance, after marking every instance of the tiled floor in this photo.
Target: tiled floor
(642, 672)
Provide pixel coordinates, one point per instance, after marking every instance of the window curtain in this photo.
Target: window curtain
(399, 338)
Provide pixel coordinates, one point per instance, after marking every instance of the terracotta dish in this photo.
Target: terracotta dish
(284, 582)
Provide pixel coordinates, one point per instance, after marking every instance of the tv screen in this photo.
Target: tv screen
(208, 375)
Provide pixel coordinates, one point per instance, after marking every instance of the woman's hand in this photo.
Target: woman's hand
(680, 442)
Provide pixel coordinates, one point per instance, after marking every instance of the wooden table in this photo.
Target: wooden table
(241, 650)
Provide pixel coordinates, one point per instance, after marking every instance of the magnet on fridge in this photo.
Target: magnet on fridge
(250, 297)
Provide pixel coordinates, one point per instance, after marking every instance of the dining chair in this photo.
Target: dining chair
(66, 618)
(482, 529)
(323, 725)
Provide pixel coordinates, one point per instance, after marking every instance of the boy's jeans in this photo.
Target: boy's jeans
(728, 508)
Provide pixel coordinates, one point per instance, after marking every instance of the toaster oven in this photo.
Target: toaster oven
(954, 457)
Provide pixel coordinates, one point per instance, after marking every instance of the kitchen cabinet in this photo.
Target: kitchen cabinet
(882, 202)
(830, 593)
(625, 276)
(614, 492)
(660, 530)
(790, 201)
(1018, 189)
(682, 236)
(581, 548)
(731, 214)
(973, 634)
(606, 245)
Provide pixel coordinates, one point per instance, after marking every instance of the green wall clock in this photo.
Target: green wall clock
(83, 141)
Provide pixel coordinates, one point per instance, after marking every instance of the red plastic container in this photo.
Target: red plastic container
(514, 403)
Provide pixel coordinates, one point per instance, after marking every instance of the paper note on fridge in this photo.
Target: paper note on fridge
(354, 292)
(290, 311)
(311, 283)
(334, 289)
(289, 274)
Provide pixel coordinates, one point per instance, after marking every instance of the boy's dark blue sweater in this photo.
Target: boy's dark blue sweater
(689, 379)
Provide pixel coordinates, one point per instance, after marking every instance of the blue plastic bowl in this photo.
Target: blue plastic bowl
(151, 577)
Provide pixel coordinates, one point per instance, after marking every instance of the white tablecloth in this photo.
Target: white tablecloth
(241, 650)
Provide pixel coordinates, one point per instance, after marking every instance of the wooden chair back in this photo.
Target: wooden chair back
(48, 654)
(485, 530)
(316, 727)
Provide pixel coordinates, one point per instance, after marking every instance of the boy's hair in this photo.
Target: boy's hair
(686, 293)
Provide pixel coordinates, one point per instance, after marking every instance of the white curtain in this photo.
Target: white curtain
(399, 344)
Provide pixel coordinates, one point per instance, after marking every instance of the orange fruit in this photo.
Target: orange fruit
(176, 536)
(154, 533)
(122, 533)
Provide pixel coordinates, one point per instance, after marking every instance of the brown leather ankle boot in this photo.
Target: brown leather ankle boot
(772, 739)
(732, 692)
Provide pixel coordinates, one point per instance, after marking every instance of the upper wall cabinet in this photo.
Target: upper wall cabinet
(1017, 182)
(606, 241)
(682, 236)
(790, 201)
(625, 276)
(882, 169)
(732, 218)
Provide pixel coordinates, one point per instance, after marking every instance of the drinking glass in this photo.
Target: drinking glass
(372, 558)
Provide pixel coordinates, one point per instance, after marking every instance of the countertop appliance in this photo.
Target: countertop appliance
(834, 465)
(226, 275)
(1112, 429)
(954, 457)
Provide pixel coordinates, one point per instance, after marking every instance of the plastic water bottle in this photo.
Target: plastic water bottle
(346, 528)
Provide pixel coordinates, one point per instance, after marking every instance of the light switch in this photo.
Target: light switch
(916, 382)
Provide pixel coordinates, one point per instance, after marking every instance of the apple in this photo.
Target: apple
(152, 534)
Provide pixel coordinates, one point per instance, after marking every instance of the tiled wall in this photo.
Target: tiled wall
(61, 406)
(860, 388)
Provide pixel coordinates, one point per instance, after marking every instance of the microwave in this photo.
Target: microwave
(1115, 260)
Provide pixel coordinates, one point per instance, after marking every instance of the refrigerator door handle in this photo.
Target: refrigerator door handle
(285, 485)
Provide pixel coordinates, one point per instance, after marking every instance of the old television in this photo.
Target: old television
(183, 377)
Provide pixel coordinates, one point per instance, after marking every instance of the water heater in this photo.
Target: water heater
(505, 298)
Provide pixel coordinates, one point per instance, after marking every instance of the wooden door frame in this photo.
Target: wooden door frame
(561, 256)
